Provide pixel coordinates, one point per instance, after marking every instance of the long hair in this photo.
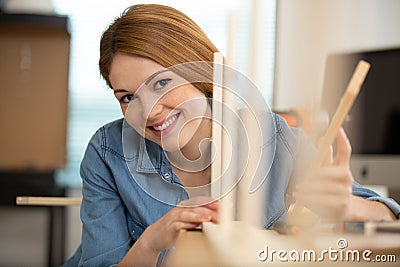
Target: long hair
(160, 33)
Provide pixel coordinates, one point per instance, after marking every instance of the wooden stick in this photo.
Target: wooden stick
(229, 137)
(231, 51)
(341, 112)
(343, 109)
(216, 165)
(49, 201)
(229, 161)
(254, 39)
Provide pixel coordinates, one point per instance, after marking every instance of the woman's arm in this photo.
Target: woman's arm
(105, 232)
(366, 210)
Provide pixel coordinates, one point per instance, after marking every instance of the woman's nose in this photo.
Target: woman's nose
(151, 110)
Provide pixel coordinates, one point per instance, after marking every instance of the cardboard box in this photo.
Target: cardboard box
(34, 65)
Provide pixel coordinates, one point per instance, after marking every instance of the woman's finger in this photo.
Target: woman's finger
(192, 217)
(333, 172)
(184, 225)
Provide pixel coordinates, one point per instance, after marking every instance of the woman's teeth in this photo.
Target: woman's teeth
(165, 124)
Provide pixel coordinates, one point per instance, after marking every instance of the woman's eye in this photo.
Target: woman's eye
(161, 83)
(127, 98)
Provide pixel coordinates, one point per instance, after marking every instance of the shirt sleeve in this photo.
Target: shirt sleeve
(368, 194)
(105, 233)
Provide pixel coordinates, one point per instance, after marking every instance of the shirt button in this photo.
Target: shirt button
(167, 175)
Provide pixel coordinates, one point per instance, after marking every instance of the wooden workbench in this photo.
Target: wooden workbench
(196, 248)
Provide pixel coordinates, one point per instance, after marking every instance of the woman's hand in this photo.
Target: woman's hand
(163, 234)
(327, 191)
(187, 215)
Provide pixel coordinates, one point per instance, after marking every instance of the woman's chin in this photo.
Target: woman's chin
(173, 147)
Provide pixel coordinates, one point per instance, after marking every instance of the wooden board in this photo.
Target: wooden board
(245, 247)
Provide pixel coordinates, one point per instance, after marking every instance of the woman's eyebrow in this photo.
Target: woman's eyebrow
(151, 77)
(120, 91)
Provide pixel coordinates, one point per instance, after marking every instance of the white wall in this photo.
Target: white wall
(308, 30)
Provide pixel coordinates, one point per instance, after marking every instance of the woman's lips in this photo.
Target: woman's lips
(165, 127)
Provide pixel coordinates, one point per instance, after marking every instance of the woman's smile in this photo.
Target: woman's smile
(164, 127)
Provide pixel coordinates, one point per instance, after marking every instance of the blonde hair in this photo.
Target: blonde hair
(160, 33)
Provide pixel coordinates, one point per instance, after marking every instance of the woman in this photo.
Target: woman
(124, 224)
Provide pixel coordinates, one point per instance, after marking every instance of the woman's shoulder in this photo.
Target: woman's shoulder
(293, 138)
(109, 131)
(109, 137)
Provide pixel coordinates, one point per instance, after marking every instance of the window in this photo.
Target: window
(92, 104)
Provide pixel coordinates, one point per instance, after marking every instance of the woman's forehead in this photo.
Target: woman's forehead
(128, 70)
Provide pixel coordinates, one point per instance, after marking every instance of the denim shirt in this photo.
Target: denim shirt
(116, 210)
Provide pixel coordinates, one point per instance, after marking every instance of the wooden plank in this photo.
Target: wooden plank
(193, 249)
(247, 247)
(229, 136)
(48, 201)
(342, 110)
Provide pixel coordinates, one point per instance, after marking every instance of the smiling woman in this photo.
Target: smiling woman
(151, 57)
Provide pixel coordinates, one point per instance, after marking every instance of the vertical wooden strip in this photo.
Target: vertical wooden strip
(216, 164)
(229, 137)
(231, 52)
(254, 40)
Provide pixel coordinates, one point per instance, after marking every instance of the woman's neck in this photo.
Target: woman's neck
(192, 162)
(194, 180)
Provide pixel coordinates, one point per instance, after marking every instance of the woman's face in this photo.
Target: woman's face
(158, 103)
